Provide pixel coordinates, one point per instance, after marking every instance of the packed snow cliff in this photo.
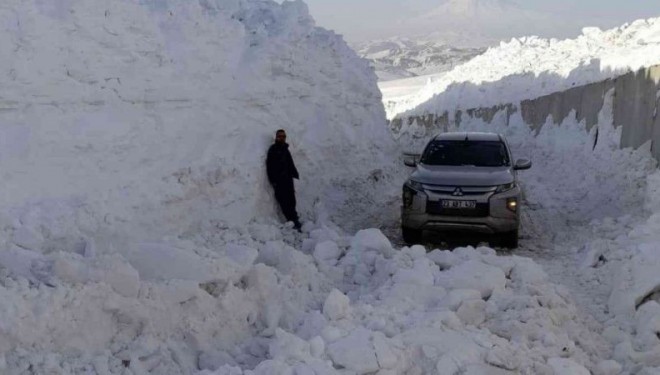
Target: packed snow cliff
(132, 153)
(156, 115)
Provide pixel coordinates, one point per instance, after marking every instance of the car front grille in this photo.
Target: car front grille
(465, 190)
(435, 208)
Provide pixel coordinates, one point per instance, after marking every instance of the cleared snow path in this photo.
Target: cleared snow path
(589, 223)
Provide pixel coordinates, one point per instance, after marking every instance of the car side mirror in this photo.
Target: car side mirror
(522, 164)
(410, 159)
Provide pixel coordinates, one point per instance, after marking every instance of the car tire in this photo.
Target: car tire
(510, 240)
(411, 236)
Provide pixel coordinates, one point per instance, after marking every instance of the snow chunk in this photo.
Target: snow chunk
(331, 333)
(355, 352)
(313, 324)
(177, 291)
(455, 297)
(448, 347)
(327, 252)
(271, 252)
(636, 280)
(528, 272)
(113, 270)
(614, 334)
(592, 255)
(121, 277)
(608, 367)
(647, 324)
(443, 258)
(286, 346)
(336, 306)
(472, 312)
(244, 256)
(325, 234)
(386, 354)
(372, 239)
(156, 261)
(473, 274)
(565, 366)
(406, 295)
(223, 370)
(503, 358)
(264, 280)
(28, 239)
(481, 369)
(317, 346)
(422, 273)
(652, 202)
(19, 261)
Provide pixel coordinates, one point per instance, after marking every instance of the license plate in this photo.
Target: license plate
(468, 205)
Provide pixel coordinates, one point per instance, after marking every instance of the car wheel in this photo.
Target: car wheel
(411, 236)
(510, 240)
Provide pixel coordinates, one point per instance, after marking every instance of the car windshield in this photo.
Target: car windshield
(476, 153)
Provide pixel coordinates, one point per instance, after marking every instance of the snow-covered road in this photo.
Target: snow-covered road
(587, 211)
(591, 212)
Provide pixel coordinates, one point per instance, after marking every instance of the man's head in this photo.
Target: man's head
(280, 136)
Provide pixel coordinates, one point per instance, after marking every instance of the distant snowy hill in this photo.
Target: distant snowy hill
(479, 23)
(531, 67)
(397, 58)
(453, 33)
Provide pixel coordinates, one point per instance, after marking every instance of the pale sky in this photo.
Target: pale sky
(369, 19)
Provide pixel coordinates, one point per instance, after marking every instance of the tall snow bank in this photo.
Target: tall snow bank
(530, 67)
(154, 116)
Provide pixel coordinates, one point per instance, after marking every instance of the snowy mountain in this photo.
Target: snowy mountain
(478, 23)
(397, 58)
(481, 10)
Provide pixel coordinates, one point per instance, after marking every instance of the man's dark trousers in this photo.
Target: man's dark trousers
(286, 196)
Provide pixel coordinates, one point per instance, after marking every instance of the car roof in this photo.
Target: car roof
(470, 136)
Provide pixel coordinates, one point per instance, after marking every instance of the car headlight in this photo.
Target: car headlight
(415, 185)
(505, 187)
(408, 196)
(512, 204)
(410, 189)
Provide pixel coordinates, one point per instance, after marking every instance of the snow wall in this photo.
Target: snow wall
(636, 99)
(153, 117)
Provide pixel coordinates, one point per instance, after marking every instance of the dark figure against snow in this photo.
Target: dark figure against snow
(281, 172)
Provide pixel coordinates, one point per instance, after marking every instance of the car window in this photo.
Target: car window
(476, 153)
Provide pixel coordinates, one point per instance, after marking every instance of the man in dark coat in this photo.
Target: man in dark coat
(281, 172)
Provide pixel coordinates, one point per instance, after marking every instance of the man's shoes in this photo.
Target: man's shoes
(297, 226)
